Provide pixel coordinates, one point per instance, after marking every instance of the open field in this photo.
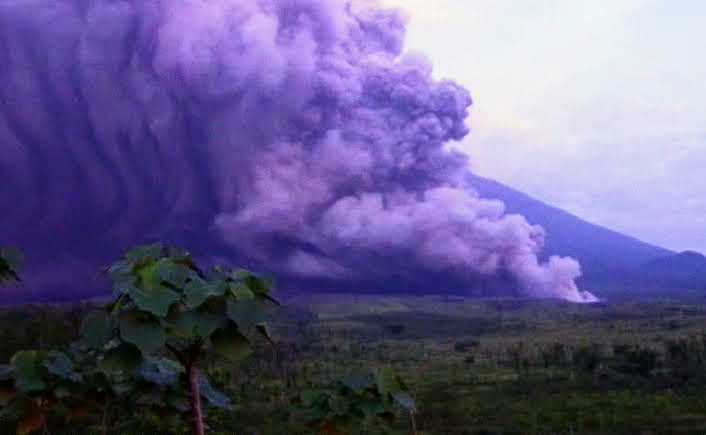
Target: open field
(474, 366)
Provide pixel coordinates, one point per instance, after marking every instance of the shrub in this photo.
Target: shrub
(358, 404)
(165, 303)
(554, 356)
(587, 358)
(465, 346)
(634, 360)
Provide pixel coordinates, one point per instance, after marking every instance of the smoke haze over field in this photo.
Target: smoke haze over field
(294, 133)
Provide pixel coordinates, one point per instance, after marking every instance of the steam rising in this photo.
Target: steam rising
(295, 133)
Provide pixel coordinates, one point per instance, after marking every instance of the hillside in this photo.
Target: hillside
(686, 269)
(608, 258)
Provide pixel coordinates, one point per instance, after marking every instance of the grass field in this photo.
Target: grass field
(476, 366)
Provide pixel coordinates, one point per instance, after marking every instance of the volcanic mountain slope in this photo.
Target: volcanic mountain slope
(608, 259)
(686, 269)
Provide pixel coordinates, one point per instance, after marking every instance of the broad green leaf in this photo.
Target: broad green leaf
(214, 397)
(388, 382)
(241, 291)
(144, 254)
(261, 286)
(141, 330)
(257, 284)
(121, 274)
(154, 299)
(97, 328)
(199, 323)
(239, 274)
(246, 313)
(29, 372)
(60, 365)
(169, 271)
(149, 279)
(198, 290)
(125, 357)
(230, 343)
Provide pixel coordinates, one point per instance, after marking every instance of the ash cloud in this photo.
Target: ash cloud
(293, 134)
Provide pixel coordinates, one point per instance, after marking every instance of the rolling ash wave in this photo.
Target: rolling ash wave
(289, 133)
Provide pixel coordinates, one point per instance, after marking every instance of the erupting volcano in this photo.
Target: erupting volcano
(291, 134)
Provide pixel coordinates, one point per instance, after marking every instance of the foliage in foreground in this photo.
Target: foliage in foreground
(166, 303)
(145, 347)
(148, 348)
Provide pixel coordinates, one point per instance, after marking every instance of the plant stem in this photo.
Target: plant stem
(414, 423)
(195, 399)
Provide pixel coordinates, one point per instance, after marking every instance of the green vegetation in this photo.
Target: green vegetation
(358, 404)
(169, 330)
(497, 366)
(167, 304)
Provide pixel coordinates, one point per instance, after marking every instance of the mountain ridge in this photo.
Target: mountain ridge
(607, 257)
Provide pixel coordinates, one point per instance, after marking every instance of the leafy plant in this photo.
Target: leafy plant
(87, 386)
(34, 387)
(587, 358)
(358, 404)
(166, 304)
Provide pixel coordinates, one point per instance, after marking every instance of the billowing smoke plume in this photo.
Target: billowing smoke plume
(289, 133)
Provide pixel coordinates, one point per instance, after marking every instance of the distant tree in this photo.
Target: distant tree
(554, 356)
(465, 345)
(395, 329)
(634, 360)
(587, 358)
(358, 404)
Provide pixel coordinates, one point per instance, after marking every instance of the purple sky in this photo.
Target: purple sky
(598, 107)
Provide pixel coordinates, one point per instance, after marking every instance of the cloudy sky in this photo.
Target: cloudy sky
(598, 107)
